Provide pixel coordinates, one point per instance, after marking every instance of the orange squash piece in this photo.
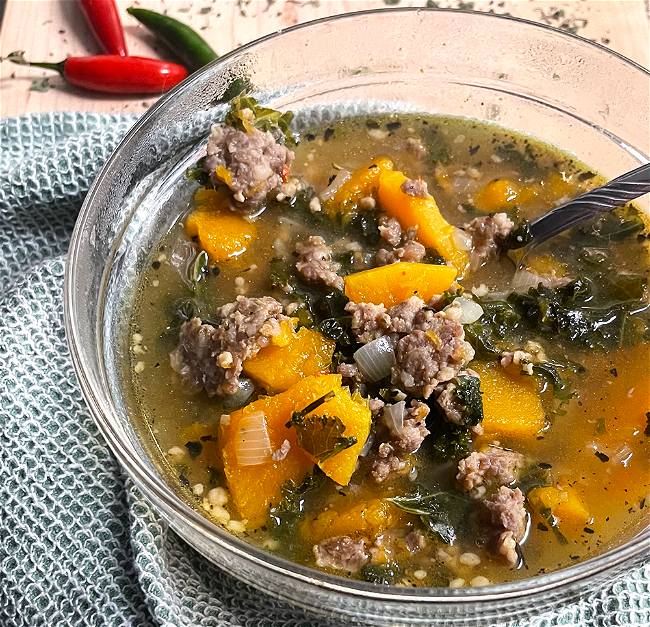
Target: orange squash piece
(512, 407)
(433, 230)
(391, 284)
(357, 418)
(254, 488)
(290, 359)
(366, 519)
(565, 504)
(363, 182)
(497, 195)
(222, 233)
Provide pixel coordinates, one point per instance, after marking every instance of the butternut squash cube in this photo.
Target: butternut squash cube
(253, 488)
(391, 284)
(357, 418)
(512, 407)
(222, 233)
(433, 230)
(363, 182)
(288, 360)
(366, 519)
(565, 504)
(497, 195)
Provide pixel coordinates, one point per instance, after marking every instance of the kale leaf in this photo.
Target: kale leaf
(548, 372)
(197, 173)
(441, 511)
(292, 503)
(615, 225)
(498, 325)
(534, 477)
(263, 118)
(338, 329)
(447, 441)
(321, 436)
(579, 315)
(387, 575)
(519, 236)
(365, 227)
(467, 393)
(523, 163)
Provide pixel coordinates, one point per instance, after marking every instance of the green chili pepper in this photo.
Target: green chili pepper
(193, 51)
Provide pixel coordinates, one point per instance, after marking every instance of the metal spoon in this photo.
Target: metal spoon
(614, 194)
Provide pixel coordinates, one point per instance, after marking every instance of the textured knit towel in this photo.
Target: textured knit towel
(78, 543)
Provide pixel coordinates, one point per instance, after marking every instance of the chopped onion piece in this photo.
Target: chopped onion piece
(523, 280)
(394, 417)
(462, 240)
(252, 443)
(471, 311)
(375, 359)
(333, 187)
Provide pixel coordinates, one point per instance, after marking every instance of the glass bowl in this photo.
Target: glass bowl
(560, 88)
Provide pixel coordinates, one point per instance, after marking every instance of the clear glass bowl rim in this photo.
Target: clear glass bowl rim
(163, 497)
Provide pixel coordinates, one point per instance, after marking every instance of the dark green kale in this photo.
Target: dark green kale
(548, 373)
(264, 119)
(467, 395)
(338, 329)
(433, 257)
(387, 575)
(449, 296)
(611, 226)
(441, 511)
(552, 522)
(447, 441)
(321, 436)
(577, 314)
(291, 506)
(184, 310)
(499, 326)
(519, 236)
(365, 228)
(281, 274)
(194, 448)
(536, 476)
(331, 305)
(345, 261)
(198, 174)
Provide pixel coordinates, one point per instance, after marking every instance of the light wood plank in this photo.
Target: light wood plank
(50, 30)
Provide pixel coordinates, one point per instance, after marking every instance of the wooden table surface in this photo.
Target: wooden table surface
(50, 30)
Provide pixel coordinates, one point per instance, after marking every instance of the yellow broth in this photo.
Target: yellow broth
(594, 442)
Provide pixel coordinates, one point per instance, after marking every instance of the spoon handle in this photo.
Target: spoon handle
(614, 194)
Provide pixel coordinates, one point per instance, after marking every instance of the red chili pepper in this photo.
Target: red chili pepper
(104, 20)
(114, 74)
(284, 174)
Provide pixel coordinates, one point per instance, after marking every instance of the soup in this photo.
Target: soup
(334, 356)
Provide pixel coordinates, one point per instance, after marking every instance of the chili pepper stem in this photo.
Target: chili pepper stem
(19, 59)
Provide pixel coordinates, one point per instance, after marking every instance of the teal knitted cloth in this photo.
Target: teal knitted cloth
(79, 545)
